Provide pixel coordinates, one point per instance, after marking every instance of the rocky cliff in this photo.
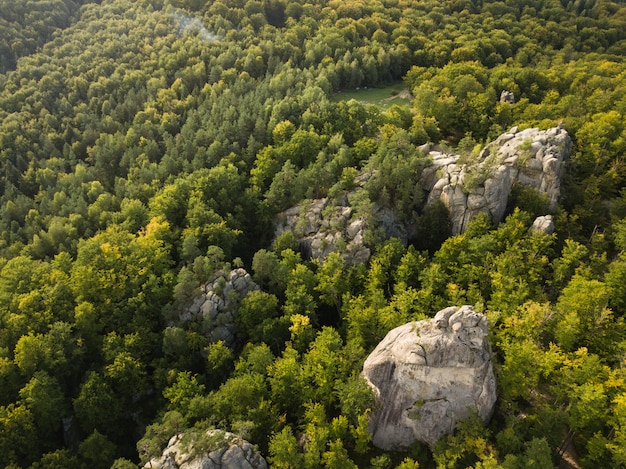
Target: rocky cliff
(222, 450)
(466, 184)
(467, 187)
(429, 375)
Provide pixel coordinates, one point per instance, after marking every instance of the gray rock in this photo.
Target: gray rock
(224, 333)
(530, 157)
(428, 376)
(303, 220)
(543, 224)
(196, 305)
(231, 452)
(507, 97)
(213, 307)
(355, 228)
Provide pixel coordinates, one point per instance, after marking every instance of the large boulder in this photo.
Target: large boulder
(221, 450)
(428, 376)
(533, 158)
(215, 305)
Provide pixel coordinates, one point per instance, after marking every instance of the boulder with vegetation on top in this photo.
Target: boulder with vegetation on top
(471, 185)
(214, 449)
(215, 304)
(428, 376)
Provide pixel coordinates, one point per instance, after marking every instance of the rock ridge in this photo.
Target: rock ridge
(532, 157)
(466, 185)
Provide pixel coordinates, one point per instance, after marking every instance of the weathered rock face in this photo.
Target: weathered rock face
(544, 224)
(322, 230)
(231, 452)
(466, 186)
(215, 305)
(429, 375)
(530, 157)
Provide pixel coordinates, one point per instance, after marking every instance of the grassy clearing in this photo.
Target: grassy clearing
(381, 97)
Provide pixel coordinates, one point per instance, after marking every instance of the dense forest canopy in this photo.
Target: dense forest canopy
(146, 146)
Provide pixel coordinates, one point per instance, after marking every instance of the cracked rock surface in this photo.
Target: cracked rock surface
(532, 157)
(231, 452)
(215, 305)
(429, 375)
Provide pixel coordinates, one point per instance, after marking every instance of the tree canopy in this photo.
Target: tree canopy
(147, 146)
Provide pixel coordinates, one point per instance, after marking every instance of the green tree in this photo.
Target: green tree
(583, 314)
(97, 451)
(286, 383)
(331, 280)
(17, 441)
(284, 451)
(126, 374)
(43, 396)
(126, 277)
(96, 406)
(182, 391)
(219, 362)
(255, 314)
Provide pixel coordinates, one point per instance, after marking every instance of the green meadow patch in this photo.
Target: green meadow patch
(381, 97)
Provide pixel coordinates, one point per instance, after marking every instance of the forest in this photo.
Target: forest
(147, 146)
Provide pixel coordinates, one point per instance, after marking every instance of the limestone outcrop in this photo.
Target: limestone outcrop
(321, 230)
(531, 157)
(224, 450)
(429, 375)
(543, 224)
(467, 186)
(215, 305)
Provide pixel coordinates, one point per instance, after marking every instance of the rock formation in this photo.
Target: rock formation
(215, 305)
(544, 224)
(530, 157)
(321, 230)
(467, 186)
(225, 451)
(429, 375)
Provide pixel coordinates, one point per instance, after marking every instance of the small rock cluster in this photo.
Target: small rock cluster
(530, 157)
(215, 306)
(231, 452)
(321, 231)
(428, 376)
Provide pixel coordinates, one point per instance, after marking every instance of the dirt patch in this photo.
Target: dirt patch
(404, 94)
